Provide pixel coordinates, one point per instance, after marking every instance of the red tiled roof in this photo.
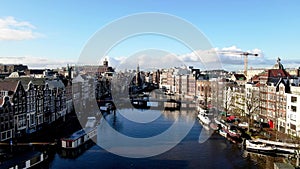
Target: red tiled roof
(255, 78)
(258, 84)
(8, 85)
(278, 73)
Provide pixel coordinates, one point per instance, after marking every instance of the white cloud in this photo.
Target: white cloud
(231, 48)
(216, 58)
(207, 59)
(11, 29)
(36, 62)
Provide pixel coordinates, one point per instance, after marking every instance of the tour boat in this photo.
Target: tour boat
(223, 133)
(282, 150)
(259, 147)
(233, 133)
(81, 136)
(280, 147)
(204, 118)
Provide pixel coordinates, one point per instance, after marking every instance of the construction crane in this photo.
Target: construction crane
(245, 54)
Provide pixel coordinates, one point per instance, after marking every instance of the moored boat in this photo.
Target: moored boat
(280, 147)
(204, 118)
(223, 133)
(81, 136)
(259, 147)
(282, 150)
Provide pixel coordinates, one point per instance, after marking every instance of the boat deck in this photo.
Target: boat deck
(79, 133)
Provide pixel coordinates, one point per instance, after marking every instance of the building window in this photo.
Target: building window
(293, 127)
(294, 108)
(293, 117)
(294, 99)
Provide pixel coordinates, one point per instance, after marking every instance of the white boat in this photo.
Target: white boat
(81, 136)
(204, 118)
(259, 147)
(283, 150)
(277, 143)
(243, 125)
(206, 127)
(221, 123)
(233, 133)
(281, 147)
(223, 133)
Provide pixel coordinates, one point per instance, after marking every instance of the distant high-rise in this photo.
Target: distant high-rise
(105, 63)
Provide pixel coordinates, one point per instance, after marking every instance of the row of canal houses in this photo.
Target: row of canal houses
(28, 103)
(269, 95)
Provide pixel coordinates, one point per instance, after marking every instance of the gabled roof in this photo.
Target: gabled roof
(239, 76)
(55, 83)
(278, 73)
(255, 78)
(25, 81)
(16, 74)
(258, 84)
(8, 85)
(277, 81)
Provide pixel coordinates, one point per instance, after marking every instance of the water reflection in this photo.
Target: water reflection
(216, 152)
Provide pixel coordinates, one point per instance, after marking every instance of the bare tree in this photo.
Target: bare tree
(252, 104)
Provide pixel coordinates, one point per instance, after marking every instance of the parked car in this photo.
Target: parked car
(243, 125)
(261, 125)
(232, 119)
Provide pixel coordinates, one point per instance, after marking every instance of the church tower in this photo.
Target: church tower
(137, 76)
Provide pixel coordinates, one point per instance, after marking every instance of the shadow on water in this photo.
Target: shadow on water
(216, 152)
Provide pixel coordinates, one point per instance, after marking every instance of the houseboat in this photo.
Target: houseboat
(27, 160)
(81, 136)
(259, 147)
(223, 133)
(280, 147)
(204, 118)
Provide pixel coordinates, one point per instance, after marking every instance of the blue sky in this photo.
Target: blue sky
(56, 31)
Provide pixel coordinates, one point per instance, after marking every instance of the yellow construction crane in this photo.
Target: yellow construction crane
(245, 54)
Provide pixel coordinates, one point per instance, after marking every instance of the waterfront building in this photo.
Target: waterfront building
(273, 85)
(156, 77)
(69, 100)
(218, 94)
(203, 91)
(184, 84)
(192, 85)
(31, 96)
(84, 89)
(293, 112)
(164, 79)
(6, 119)
(170, 79)
(58, 98)
(178, 84)
(238, 98)
(17, 95)
(48, 106)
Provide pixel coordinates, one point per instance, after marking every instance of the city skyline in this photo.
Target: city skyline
(52, 34)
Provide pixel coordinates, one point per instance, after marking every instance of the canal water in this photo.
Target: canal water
(216, 152)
